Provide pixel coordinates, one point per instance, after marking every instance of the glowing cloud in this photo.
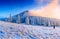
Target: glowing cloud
(52, 10)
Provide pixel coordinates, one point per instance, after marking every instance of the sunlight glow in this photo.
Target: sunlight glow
(52, 10)
(57, 13)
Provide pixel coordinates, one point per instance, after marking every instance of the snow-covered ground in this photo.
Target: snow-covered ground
(22, 31)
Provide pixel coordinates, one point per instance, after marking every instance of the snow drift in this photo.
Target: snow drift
(21, 31)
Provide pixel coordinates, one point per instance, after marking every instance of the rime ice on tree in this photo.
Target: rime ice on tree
(18, 21)
(10, 18)
(27, 20)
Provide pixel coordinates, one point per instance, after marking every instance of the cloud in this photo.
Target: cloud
(51, 10)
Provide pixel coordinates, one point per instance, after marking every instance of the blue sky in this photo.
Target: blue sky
(17, 6)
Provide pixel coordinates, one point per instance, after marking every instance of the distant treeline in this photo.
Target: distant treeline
(35, 20)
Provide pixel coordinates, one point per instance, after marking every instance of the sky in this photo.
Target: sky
(51, 10)
(14, 7)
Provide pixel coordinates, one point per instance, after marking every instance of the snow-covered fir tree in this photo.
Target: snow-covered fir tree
(10, 18)
(27, 21)
(18, 21)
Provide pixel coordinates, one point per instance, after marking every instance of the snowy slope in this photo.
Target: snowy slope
(22, 31)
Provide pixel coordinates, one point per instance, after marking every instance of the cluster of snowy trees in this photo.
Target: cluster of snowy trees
(35, 20)
(17, 20)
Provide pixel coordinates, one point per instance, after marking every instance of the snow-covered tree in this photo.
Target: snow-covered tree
(10, 18)
(18, 21)
(49, 23)
(27, 20)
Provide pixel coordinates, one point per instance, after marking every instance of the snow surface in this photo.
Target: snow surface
(22, 31)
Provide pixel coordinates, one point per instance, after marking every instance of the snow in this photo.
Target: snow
(22, 31)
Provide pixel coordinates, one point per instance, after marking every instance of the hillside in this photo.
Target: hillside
(47, 15)
(22, 31)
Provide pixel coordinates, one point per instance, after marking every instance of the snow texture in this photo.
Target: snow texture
(22, 31)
